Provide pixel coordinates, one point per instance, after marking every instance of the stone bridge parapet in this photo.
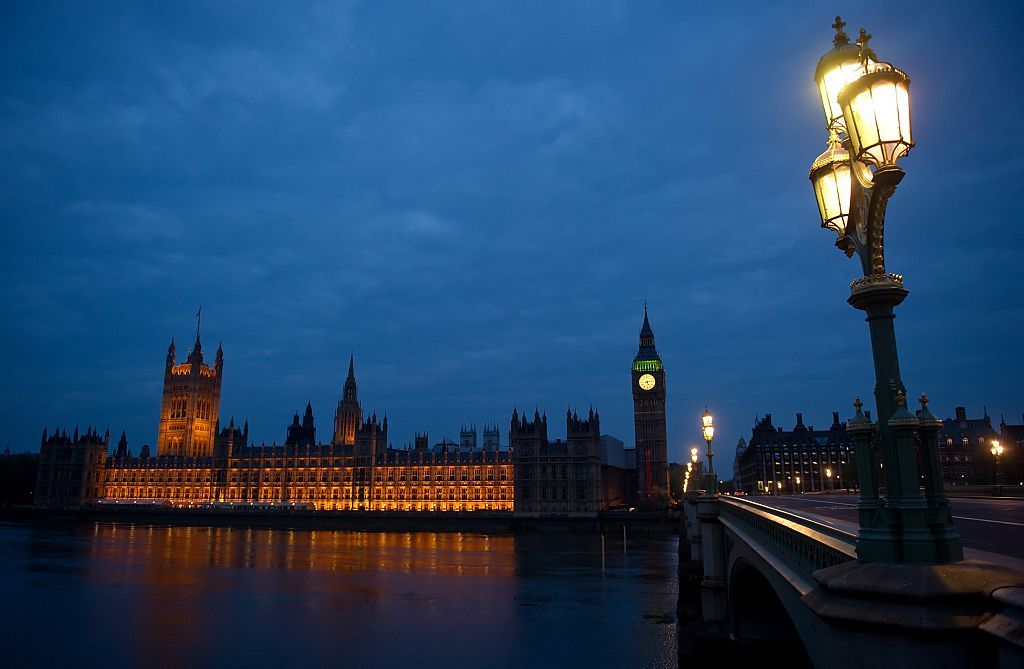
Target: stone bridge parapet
(752, 574)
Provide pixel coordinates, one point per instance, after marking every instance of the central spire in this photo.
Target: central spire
(350, 382)
(349, 414)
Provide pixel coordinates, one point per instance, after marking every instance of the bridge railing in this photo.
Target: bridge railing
(985, 491)
(805, 545)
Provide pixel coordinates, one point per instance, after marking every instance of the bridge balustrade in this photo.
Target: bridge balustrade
(805, 545)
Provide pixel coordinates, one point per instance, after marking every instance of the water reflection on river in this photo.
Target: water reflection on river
(122, 595)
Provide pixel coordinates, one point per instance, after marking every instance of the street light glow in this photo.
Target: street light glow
(708, 425)
(835, 69)
(877, 111)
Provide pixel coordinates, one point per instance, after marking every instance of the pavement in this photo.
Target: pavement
(991, 529)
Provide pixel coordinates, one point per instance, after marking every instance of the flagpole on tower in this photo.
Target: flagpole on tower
(199, 320)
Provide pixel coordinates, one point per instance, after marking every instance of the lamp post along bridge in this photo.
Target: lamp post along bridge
(899, 587)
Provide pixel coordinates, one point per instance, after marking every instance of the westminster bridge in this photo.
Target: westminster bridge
(755, 574)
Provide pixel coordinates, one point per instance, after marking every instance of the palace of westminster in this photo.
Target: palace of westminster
(198, 463)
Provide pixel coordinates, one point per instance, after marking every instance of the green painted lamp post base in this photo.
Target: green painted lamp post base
(905, 526)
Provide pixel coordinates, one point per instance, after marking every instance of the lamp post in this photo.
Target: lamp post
(691, 467)
(997, 452)
(828, 475)
(708, 428)
(867, 120)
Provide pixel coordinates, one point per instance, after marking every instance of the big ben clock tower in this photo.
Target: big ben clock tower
(649, 419)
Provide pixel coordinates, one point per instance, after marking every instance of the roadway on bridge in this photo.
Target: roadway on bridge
(986, 525)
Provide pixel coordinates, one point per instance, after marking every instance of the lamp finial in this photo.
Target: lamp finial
(841, 38)
(866, 52)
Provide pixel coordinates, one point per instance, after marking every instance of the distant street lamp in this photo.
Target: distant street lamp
(797, 484)
(828, 475)
(997, 451)
(867, 120)
(708, 428)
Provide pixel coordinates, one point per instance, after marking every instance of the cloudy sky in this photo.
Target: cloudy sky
(477, 198)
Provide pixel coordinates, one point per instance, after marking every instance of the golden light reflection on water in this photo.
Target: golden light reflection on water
(173, 552)
(171, 574)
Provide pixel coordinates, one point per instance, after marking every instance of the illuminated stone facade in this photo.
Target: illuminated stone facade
(191, 404)
(200, 468)
(366, 475)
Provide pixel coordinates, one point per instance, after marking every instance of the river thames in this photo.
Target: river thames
(118, 595)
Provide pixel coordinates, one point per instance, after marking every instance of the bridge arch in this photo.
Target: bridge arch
(759, 620)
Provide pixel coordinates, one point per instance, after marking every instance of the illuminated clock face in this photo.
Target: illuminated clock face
(647, 381)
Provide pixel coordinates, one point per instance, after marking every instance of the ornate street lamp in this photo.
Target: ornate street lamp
(708, 428)
(867, 120)
(997, 452)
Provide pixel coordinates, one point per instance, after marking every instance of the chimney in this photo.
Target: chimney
(961, 415)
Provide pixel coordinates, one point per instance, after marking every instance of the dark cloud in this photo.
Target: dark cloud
(477, 198)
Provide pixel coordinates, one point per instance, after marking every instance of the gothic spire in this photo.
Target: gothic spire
(646, 330)
(647, 351)
(350, 382)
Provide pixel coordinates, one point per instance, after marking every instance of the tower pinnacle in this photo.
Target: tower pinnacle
(647, 351)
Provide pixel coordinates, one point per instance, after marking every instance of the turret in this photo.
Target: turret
(122, 446)
(349, 415)
(196, 356)
(349, 392)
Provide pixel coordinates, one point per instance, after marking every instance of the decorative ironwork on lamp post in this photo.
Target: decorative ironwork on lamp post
(867, 117)
(708, 428)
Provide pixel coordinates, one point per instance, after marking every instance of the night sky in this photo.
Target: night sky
(476, 199)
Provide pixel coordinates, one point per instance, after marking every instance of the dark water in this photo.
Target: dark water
(151, 596)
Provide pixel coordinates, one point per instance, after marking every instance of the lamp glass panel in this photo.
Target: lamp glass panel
(903, 103)
(887, 119)
(864, 132)
(832, 185)
(829, 86)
